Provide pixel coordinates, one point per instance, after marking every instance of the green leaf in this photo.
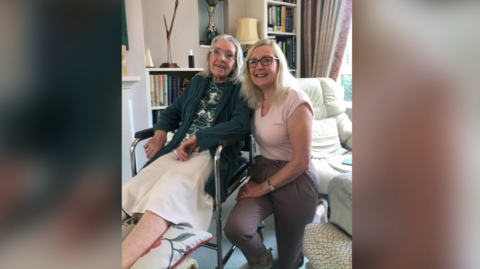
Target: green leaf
(176, 226)
(182, 237)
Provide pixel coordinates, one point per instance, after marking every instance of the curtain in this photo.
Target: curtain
(342, 41)
(124, 26)
(321, 21)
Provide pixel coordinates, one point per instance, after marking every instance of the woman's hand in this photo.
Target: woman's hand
(186, 148)
(251, 189)
(155, 144)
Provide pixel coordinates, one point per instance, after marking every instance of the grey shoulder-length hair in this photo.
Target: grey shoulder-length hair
(284, 80)
(236, 76)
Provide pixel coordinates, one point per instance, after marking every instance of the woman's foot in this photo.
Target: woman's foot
(322, 209)
(266, 262)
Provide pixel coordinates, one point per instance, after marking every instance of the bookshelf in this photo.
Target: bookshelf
(258, 9)
(176, 72)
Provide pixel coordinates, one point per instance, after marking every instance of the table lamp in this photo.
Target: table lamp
(247, 32)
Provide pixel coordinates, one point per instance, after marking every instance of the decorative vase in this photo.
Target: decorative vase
(211, 31)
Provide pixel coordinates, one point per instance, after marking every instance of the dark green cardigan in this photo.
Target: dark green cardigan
(232, 116)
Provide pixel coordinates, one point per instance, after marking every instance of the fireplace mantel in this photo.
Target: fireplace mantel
(128, 82)
(127, 125)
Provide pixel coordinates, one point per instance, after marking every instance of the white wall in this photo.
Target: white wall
(184, 35)
(135, 60)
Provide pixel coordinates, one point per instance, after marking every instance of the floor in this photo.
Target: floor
(207, 258)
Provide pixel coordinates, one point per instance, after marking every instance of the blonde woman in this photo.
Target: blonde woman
(284, 182)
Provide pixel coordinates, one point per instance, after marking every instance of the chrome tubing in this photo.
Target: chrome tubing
(216, 166)
(133, 160)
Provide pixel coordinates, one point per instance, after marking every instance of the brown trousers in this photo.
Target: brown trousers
(293, 206)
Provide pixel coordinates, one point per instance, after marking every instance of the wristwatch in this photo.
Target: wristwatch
(270, 186)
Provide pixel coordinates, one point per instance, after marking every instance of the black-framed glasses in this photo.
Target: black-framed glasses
(229, 55)
(265, 61)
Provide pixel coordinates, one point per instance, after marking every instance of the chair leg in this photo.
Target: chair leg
(219, 237)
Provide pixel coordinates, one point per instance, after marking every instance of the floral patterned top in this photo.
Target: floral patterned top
(205, 110)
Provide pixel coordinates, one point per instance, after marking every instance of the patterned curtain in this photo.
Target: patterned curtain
(321, 21)
(342, 41)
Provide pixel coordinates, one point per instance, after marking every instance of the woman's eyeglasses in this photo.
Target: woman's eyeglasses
(265, 61)
(229, 55)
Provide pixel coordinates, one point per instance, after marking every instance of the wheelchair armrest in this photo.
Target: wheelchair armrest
(144, 134)
(231, 139)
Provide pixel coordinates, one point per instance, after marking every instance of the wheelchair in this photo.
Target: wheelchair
(234, 182)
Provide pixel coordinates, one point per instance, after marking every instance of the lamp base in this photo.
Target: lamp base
(169, 65)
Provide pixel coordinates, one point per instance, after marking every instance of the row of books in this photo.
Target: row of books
(287, 1)
(281, 19)
(288, 44)
(165, 89)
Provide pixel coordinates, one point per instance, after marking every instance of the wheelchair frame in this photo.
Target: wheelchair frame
(240, 176)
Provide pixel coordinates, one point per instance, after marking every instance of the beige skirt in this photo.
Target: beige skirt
(173, 189)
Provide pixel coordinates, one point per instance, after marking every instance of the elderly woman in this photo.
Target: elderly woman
(284, 182)
(177, 186)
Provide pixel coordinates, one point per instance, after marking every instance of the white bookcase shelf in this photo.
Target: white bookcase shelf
(281, 33)
(278, 3)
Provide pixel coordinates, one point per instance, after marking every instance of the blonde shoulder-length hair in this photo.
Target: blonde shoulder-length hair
(283, 82)
(236, 75)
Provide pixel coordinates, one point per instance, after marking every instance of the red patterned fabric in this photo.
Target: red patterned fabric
(342, 41)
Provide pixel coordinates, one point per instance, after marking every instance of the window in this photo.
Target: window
(345, 76)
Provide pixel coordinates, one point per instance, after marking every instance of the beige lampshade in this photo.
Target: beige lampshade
(247, 31)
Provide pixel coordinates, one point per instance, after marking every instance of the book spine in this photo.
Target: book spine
(289, 54)
(174, 84)
(178, 86)
(155, 80)
(283, 23)
(294, 54)
(160, 90)
(289, 20)
(293, 19)
(159, 113)
(278, 22)
(170, 90)
(165, 90)
(270, 17)
(274, 17)
(152, 91)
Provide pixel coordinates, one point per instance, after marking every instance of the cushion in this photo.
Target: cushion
(332, 96)
(340, 195)
(172, 247)
(325, 246)
(325, 140)
(344, 126)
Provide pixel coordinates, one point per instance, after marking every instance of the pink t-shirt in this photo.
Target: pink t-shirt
(270, 131)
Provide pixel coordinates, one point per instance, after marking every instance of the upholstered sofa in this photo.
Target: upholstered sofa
(327, 98)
